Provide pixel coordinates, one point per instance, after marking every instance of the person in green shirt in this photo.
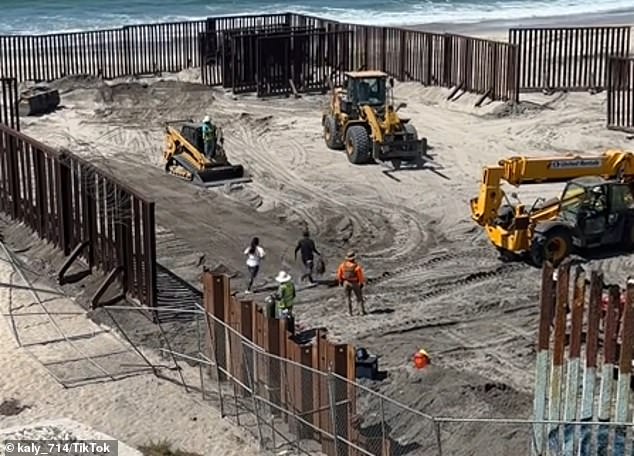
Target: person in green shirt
(209, 137)
(285, 296)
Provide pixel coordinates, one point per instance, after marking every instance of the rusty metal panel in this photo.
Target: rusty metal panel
(567, 58)
(547, 305)
(325, 418)
(556, 377)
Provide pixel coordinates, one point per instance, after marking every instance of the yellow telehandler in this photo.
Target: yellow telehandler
(596, 208)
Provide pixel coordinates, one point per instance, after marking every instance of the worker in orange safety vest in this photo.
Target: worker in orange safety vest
(351, 277)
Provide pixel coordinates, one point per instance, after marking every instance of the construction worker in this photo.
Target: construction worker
(351, 277)
(307, 248)
(209, 137)
(285, 296)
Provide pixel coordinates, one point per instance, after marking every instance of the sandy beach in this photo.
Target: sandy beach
(498, 29)
(437, 282)
(40, 354)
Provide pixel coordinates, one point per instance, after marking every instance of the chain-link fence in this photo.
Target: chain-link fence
(292, 408)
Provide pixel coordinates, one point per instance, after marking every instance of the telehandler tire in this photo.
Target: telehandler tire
(358, 146)
(554, 245)
(333, 140)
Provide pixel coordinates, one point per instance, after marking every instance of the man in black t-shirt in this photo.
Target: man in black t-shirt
(307, 247)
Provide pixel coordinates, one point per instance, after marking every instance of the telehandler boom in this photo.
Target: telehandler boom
(595, 209)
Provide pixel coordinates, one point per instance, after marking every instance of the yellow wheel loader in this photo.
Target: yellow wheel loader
(596, 208)
(184, 156)
(361, 119)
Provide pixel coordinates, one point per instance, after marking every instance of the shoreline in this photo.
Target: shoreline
(498, 28)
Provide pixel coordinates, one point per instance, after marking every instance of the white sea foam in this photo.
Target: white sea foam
(403, 12)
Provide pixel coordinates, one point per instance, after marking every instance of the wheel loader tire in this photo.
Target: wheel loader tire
(554, 245)
(411, 130)
(332, 138)
(358, 146)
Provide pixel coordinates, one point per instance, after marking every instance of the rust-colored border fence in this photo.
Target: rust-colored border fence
(463, 63)
(126, 51)
(468, 64)
(620, 106)
(298, 386)
(214, 71)
(584, 364)
(81, 210)
(9, 103)
(567, 58)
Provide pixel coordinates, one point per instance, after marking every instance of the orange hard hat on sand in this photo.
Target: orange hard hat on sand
(421, 359)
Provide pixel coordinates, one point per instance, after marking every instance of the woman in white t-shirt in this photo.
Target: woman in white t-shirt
(254, 254)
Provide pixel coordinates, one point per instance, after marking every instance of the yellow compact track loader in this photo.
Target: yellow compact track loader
(596, 208)
(361, 119)
(184, 157)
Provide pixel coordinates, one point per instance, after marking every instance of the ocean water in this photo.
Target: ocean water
(43, 16)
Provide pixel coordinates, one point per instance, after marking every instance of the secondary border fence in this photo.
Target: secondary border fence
(81, 210)
(464, 63)
(567, 58)
(620, 106)
(326, 49)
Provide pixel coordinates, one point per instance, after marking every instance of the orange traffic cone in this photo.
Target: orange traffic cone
(421, 359)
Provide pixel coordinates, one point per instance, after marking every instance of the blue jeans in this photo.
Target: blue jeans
(210, 149)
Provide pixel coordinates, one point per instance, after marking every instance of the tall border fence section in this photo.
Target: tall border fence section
(294, 53)
(81, 210)
(584, 364)
(567, 58)
(620, 106)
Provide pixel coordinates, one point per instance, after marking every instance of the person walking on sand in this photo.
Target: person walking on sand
(307, 248)
(254, 254)
(351, 277)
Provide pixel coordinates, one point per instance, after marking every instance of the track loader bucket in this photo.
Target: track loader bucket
(219, 175)
(213, 175)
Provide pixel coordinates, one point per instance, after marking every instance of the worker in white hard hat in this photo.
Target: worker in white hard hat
(285, 295)
(209, 137)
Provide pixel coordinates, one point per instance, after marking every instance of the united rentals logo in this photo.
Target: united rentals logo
(575, 163)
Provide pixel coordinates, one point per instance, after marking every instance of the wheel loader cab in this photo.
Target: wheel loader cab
(366, 91)
(601, 212)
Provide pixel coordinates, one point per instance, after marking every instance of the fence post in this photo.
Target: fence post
(149, 236)
(252, 381)
(333, 409)
(383, 446)
(438, 439)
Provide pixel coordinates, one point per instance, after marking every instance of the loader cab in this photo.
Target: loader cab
(364, 88)
(193, 133)
(600, 211)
